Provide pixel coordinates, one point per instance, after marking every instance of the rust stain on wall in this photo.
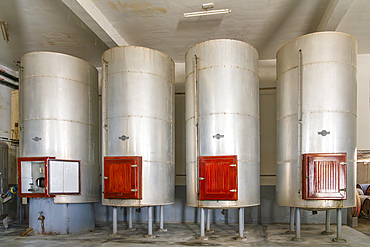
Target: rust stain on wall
(113, 6)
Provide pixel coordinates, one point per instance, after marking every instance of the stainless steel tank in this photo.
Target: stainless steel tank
(138, 119)
(59, 118)
(5, 98)
(316, 114)
(3, 174)
(222, 98)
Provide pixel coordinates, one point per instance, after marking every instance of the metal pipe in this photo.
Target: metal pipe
(298, 223)
(291, 227)
(241, 222)
(327, 222)
(9, 76)
(339, 223)
(130, 218)
(202, 234)
(161, 217)
(20, 210)
(150, 221)
(114, 220)
(299, 109)
(208, 220)
(196, 112)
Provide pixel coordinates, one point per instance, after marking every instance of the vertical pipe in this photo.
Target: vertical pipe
(327, 222)
(208, 220)
(150, 221)
(161, 217)
(202, 234)
(291, 227)
(114, 220)
(196, 113)
(20, 211)
(298, 224)
(130, 218)
(241, 222)
(339, 223)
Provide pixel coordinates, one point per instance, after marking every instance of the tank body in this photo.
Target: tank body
(326, 71)
(59, 118)
(225, 102)
(3, 174)
(138, 102)
(5, 98)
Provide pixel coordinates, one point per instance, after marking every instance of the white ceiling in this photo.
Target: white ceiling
(43, 25)
(91, 26)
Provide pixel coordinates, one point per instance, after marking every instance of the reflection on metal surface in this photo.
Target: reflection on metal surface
(316, 92)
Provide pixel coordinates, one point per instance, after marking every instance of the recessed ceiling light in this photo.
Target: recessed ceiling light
(207, 10)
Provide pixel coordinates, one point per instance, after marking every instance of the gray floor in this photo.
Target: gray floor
(185, 235)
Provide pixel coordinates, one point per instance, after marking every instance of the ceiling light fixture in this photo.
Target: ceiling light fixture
(207, 10)
(4, 29)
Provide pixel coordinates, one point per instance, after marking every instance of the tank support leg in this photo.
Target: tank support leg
(202, 232)
(150, 223)
(115, 233)
(130, 228)
(161, 229)
(327, 224)
(298, 225)
(241, 224)
(291, 225)
(339, 227)
(208, 229)
(5, 223)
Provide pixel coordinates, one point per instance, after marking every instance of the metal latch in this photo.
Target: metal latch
(234, 165)
(201, 178)
(343, 190)
(123, 138)
(323, 132)
(133, 165)
(343, 163)
(218, 136)
(232, 190)
(105, 177)
(134, 190)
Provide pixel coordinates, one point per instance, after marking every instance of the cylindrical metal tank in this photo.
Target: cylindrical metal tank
(3, 174)
(316, 114)
(222, 116)
(5, 98)
(59, 118)
(138, 120)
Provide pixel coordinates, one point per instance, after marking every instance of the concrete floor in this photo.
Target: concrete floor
(179, 234)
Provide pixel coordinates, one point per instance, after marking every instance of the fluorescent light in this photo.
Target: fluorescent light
(207, 12)
(4, 29)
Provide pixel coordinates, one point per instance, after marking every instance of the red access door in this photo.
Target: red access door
(218, 178)
(122, 177)
(324, 176)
